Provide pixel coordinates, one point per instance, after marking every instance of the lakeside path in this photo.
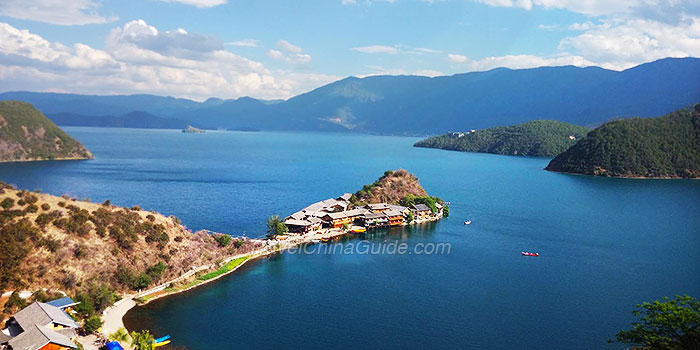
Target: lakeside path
(113, 316)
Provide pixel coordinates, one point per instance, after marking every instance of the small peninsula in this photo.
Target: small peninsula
(395, 199)
(27, 135)
(537, 138)
(662, 147)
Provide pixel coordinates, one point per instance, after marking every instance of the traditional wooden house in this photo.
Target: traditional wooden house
(41, 326)
(302, 226)
(372, 220)
(421, 211)
(395, 217)
(378, 207)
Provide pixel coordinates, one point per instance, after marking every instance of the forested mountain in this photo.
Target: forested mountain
(538, 138)
(667, 146)
(420, 105)
(26, 134)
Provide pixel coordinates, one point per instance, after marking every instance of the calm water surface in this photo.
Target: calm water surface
(605, 244)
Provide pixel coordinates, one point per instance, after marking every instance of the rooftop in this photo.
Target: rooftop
(37, 336)
(42, 314)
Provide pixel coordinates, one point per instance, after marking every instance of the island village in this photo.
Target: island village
(336, 216)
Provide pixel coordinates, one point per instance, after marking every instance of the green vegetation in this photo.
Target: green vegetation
(224, 269)
(672, 324)
(537, 138)
(667, 146)
(92, 324)
(142, 340)
(121, 335)
(94, 299)
(223, 240)
(410, 200)
(26, 134)
(275, 226)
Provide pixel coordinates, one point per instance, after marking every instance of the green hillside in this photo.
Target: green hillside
(538, 138)
(26, 134)
(667, 146)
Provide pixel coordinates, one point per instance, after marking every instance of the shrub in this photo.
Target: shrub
(136, 208)
(238, 243)
(62, 204)
(92, 324)
(223, 240)
(21, 202)
(156, 271)
(7, 203)
(151, 217)
(30, 198)
(107, 203)
(14, 302)
(45, 206)
(142, 281)
(80, 251)
(50, 244)
(178, 239)
(125, 276)
(32, 208)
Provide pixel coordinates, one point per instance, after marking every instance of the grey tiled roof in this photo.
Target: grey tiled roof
(38, 336)
(42, 314)
(421, 207)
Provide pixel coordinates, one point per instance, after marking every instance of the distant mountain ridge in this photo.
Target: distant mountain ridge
(26, 134)
(663, 147)
(135, 119)
(416, 105)
(537, 138)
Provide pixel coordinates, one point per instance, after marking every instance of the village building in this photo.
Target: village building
(421, 212)
(41, 326)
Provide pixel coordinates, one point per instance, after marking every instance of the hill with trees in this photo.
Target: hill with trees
(95, 252)
(537, 138)
(664, 147)
(417, 105)
(26, 134)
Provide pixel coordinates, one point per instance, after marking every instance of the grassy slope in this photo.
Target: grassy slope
(539, 138)
(26, 134)
(667, 146)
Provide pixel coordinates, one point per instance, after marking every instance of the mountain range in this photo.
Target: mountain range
(416, 105)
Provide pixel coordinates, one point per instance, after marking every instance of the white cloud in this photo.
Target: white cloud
(244, 43)
(620, 45)
(581, 26)
(199, 3)
(289, 53)
(377, 49)
(515, 62)
(662, 10)
(428, 73)
(138, 58)
(392, 50)
(348, 2)
(548, 27)
(74, 12)
(456, 58)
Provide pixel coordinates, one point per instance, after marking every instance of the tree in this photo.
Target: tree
(92, 324)
(668, 324)
(142, 340)
(121, 335)
(275, 226)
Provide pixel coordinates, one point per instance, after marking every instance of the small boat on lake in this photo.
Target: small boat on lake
(358, 230)
(161, 343)
(468, 222)
(162, 339)
(322, 239)
(530, 254)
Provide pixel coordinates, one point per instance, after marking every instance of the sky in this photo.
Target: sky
(276, 49)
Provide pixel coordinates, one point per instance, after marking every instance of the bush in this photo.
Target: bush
(7, 203)
(30, 198)
(142, 281)
(156, 271)
(107, 203)
(45, 206)
(62, 204)
(151, 217)
(13, 303)
(80, 251)
(238, 243)
(135, 208)
(92, 324)
(32, 208)
(21, 202)
(223, 240)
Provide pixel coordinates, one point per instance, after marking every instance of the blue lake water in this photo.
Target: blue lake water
(605, 244)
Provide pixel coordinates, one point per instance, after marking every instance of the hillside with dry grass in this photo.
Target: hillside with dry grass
(96, 250)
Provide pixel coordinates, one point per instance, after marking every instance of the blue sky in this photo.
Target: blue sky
(277, 49)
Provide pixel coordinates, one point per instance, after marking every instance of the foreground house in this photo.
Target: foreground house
(41, 326)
